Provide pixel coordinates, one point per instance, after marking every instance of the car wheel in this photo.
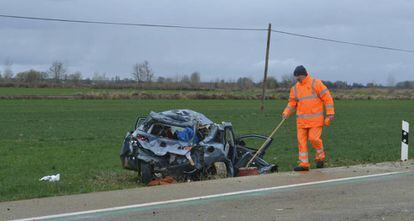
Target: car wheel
(145, 172)
(219, 170)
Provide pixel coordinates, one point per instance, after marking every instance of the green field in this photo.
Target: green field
(77, 91)
(68, 91)
(81, 139)
(227, 93)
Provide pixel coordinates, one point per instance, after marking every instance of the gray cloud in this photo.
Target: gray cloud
(113, 50)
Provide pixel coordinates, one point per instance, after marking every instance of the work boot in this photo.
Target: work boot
(299, 168)
(319, 164)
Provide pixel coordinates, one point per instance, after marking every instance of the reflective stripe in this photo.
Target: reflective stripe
(320, 155)
(329, 106)
(290, 108)
(304, 160)
(305, 116)
(313, 87)
(313, 96)
(295, 91)
(307, 98)
(319, 150)
(323, 91)
(303, 154)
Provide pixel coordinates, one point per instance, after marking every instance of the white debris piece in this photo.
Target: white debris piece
(51, 178)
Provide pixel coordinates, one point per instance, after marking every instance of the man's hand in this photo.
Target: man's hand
(331, 117)
(285, 116)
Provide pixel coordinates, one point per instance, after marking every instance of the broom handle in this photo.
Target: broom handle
(264, 144)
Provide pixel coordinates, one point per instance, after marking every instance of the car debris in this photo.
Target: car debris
(162, 181)
(51, 178)
(186, 145)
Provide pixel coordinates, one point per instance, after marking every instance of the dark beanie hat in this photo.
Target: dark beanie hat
(300, 70)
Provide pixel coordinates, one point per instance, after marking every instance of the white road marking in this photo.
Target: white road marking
(206, 197)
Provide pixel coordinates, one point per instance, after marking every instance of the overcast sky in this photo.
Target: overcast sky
(215, 54)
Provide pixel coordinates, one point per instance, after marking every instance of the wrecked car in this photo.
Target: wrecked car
(188, 146)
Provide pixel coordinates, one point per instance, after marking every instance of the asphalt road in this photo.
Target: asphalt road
(372, 192)
(384, 198)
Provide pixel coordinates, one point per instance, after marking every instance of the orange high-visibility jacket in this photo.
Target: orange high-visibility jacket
(309, 98)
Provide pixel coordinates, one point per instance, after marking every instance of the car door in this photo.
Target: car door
(252, 142)
(229, 143)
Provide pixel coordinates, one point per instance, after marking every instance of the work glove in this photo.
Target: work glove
(285, 116)
(328, 120)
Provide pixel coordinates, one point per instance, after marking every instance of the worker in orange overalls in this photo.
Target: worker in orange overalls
(309, 97)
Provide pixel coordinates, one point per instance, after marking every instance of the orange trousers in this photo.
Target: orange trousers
(312, 134)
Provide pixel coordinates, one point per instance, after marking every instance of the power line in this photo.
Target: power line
(206, 28)
(343, 42)
(133, 24)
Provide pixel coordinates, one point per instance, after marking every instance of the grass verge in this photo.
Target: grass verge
(81, 139)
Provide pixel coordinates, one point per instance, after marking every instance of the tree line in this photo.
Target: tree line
(143, 76)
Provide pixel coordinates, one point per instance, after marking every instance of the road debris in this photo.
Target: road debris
(51, 178)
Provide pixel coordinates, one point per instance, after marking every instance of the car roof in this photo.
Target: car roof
(181, 117)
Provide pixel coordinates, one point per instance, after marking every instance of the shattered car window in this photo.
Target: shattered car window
(162, 130)
(185, 134)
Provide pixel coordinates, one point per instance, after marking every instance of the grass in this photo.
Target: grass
(81, 139)
(42, 91)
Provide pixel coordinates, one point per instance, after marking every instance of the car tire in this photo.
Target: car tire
(145, 172)
(219, 171)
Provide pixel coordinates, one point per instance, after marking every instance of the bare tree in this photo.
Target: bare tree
(136, 73)
(245, 83)
(195, 78)
(75, 77)
(391, 80)
(8, 72)
(161, 79)
(97, 77)
(169, 80)
(57, 70)
(271, 83)
(288, 80)
(31, 76)
(185, 79)
(142, 72)
(149, 72)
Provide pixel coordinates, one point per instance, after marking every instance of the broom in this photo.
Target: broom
(248, 171)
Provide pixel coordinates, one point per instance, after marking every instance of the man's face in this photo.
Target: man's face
(300, 78)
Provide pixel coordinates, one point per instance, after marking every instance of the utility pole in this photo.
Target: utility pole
(269, 31)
